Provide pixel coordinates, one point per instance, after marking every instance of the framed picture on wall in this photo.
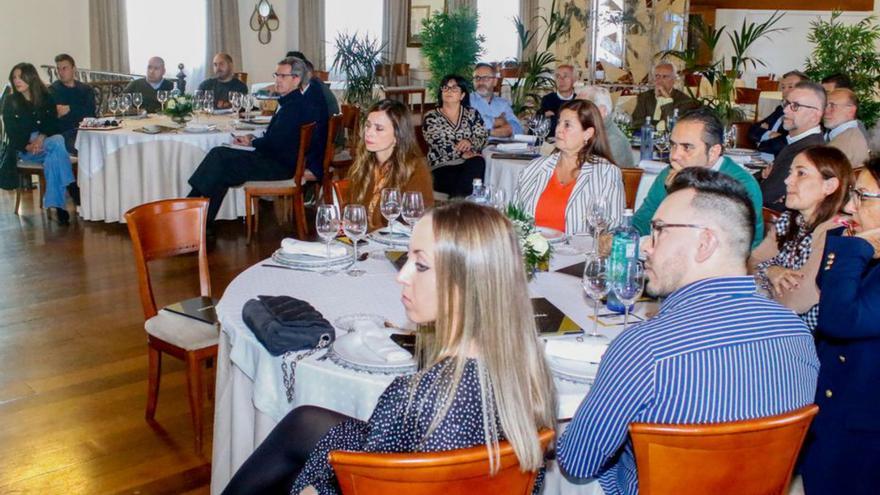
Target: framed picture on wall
(418, 11)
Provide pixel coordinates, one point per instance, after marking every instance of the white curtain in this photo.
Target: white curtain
(394, 29)
(109, 36)
(311, 31)
(223, 32)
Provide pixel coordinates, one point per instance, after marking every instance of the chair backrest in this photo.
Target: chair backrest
(748, 96)
(333, 126)
(754, 456)
(420, 138)
(742, 135)
(767, 84)
(351, 121)
(383, 74)
(434, 473)
(342, 188)
(305, 142)
(401, 74)
(770, 216)
(166, 228)
(241, 76)
(631, 179)
(323, 75)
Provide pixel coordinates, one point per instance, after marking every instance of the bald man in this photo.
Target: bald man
(661, 103)
(843, 128)
(148, 86)
(550, 103)
(224, 81)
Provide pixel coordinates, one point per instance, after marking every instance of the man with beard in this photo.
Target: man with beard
(498, 116)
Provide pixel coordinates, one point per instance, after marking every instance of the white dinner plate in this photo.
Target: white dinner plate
(312, 263)
(553, 236)
(350, 351)
(573, 371)
(384, 237)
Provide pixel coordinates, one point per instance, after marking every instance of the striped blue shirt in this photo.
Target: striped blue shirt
(717, 351)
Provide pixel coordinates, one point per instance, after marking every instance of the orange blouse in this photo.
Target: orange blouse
(550, 211)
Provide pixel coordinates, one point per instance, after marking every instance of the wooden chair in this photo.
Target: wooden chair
(323, 75)
(754, 456)
(770, 216)
(454, 472)
(26, 171)
(163, 229)
(742, 135)
(342, 188)
(333, 126)
(767, 84)
(400, 72)
(289, 188)
(351, 123)
(383, 75)
(631, 179)
(241, 76)
(749, 96)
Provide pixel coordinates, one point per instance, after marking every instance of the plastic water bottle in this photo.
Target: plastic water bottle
(624, 250)
(647, 149)
(671, 121)
(480, 193)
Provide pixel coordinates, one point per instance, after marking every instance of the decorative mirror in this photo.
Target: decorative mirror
(418, 11)
(264, 21)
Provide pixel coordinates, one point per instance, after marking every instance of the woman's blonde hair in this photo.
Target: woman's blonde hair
(403, 161)
(484, 312)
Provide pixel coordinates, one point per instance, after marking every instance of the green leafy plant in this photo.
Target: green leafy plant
(450, 44)
(536, 250)
(357, 58)
(850, 50)
(179, 108)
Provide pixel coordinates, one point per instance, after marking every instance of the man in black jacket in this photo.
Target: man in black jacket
(768, 134)
(73, 100)
(274, 154)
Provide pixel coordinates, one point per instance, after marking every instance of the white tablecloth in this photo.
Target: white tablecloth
(250, 395)
(121, 169)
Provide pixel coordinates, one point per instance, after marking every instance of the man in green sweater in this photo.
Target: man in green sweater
(696, 142)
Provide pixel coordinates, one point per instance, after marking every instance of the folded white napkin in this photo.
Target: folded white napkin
(512, 147)
(200, 127)
(524, 138)
(652, 166)
(317, 249)
(575, 351)
(378, 340)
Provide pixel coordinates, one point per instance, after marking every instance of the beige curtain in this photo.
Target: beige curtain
(394, 30)
(223, 32)
(311, 31)
(528, 10)
(109, 36)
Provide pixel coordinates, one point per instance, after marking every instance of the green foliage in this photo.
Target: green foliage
(450, 44)
(850, 50)
(536, 251)
(357, 58)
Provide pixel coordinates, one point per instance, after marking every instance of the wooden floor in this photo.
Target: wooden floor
(73, 360)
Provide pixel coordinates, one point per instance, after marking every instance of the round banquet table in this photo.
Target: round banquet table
(251, 397)
(120, 169)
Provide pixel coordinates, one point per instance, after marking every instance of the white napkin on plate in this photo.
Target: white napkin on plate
(652, 166)
(512, 147)
(317, 249)
(576, 351)
(378, 340)
(524, 138)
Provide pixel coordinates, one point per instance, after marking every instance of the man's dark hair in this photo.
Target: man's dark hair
(800, 75)
(301, 56)
(63, 57)
(484, 64)
(840, 80)
(724, 199)
(713, 129)
(817, 90)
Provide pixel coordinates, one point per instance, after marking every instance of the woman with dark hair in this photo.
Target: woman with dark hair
(456, 136)
(786, 263)
(32, 130)
(841, 453)
(557, 189)
(387, 156)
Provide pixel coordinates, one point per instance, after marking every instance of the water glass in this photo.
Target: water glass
(197, 106)
(390, 206)
(595, 284)
(327, 226)
(124, 102)
(235, 102)
(499, 199)
(113, 105)
(413, 207)
(628, 286)
(597, 216)
(137, 99)
(354, 224)
(209, 101)
(162, 96)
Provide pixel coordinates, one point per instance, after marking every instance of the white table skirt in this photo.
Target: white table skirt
(251, 398)
(121, 169)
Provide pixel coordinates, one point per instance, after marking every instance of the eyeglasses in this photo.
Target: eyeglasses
(276, 75)
(450, 89)
(859, 195)
(657, 227)
(795, 106)
(832, 106)
(483, 78)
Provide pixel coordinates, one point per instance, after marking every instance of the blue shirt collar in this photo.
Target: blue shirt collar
(833, 133)
(713, 287)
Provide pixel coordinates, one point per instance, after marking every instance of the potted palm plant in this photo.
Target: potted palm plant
(450, 44)
(357, 58)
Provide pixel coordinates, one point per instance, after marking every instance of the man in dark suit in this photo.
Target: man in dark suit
(664, 100)
(802, 118)
(274, 154)
(768, 134)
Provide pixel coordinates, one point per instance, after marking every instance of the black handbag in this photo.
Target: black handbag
(284, 323)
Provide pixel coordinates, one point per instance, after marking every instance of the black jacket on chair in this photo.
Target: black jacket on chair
(773, 145)
(773, 187)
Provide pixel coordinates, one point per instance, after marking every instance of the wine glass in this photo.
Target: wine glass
(661, 142)
(730, 137)
(113, 105)
(390, 207)
(137, 99)
(413, 207)
(628, 285)
(327, 225)
(542, 131)
(595, 284)
(499, 199)
(162, 96)
(354, 224)
(197, 103)
(235, 102)
(209, 101)
(597, 216)
(124, 102)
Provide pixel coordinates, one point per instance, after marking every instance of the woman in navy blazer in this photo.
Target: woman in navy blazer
(842, 450)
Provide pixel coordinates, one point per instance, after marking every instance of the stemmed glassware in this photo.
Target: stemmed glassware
(113, 105)
(354, 224)
(499, 199)
(413, 207)
(628, 286)
(327, 225)
(198, 101)
(235, 102)
(390, 207)
(137, 99)
(124, 102)
(661, 142)
(542, 130)
(595, 284)
(597, 216)
(209, 102)
(162, 96)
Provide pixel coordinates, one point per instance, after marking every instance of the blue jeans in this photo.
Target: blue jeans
(56, 168)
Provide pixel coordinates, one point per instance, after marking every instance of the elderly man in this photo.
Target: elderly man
(768, 134)
(697, 141)
(148, 86)
(74, 100)
(664, 100)
(224, 81)
(551, 102)
(706, 357)
(621, 150)
(498, 116)
(802, 116)
(274, 154)
(843, 128)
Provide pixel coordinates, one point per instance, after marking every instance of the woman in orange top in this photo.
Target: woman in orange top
(387, 156)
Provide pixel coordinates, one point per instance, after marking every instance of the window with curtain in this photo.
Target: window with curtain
(496, 24)
(172, 29)
(344, 16)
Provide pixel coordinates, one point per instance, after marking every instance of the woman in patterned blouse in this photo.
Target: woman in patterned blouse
(455, 135)
(786, 263)
(485, 378)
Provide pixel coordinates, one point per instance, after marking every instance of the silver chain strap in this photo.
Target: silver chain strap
(291, 358)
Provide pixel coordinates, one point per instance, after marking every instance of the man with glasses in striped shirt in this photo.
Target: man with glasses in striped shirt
(717, 351)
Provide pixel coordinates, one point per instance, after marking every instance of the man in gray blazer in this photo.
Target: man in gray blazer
(664, 100)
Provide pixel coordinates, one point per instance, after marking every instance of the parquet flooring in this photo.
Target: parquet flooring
(73, 361)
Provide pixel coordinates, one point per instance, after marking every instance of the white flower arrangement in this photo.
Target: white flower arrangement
(536, 250)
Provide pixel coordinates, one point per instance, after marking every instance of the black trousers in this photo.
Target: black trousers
(458, 180)
(224, 167)
(276, 463)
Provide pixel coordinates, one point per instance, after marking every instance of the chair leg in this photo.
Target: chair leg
(256, 208)
(299, 212)
(212, 377)
(247, 214)
(194, 389)
(153, 376)
(42, 188)
(17, 198)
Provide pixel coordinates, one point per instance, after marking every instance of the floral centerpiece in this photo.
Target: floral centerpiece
(536, 250)
(179, 108)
